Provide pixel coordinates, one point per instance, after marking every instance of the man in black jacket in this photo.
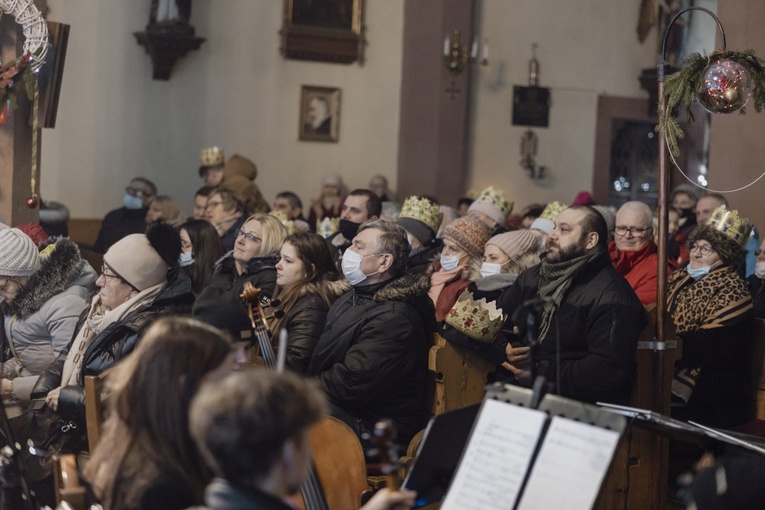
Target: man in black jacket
(371, 359)
(586, 305)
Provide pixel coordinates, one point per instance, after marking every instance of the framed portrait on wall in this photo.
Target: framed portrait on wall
(323, 30)
(319, 113)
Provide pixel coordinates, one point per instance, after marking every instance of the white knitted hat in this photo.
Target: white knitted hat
(18, 253)
(135, 260)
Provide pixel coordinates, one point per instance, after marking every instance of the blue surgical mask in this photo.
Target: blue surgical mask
(698, 273)
(132, 202)
(449, 262)
(186, 259)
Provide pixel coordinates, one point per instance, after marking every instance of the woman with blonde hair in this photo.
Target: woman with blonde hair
(165, 209)
(146, 458)
(254, 257)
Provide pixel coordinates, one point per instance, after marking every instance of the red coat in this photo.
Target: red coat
(640, 268)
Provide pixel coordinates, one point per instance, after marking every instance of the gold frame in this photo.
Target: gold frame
(327, 131)
(340, 41)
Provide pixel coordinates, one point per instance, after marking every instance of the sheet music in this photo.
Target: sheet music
(570, 466)
(496, 458)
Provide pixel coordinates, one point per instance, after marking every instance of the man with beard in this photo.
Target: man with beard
(585, 305)
(360, 205)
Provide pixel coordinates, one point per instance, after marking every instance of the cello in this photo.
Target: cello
(338, 477)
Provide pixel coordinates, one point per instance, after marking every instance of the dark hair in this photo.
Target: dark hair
(730, 252)
(152, 187)
(147, 433)
(593, 221)
(292, 198)
(374, 204)
(206, 250)
(533, 211)
(392, 240)
(241, 423)
(464, 200)
(205, 191)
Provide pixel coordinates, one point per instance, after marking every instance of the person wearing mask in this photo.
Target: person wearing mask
(128, 219)
(200, 250)
(259, 471)
(421, 217)
(253, 258)
(460, 262)
(307, 283)
(359, 206)
(42, 296)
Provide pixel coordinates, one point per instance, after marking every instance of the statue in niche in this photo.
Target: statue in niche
(170, 16)
(659, 13)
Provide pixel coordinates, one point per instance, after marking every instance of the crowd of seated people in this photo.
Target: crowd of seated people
(360, 304)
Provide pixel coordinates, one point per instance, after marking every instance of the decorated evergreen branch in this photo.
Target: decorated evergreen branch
(687, 85)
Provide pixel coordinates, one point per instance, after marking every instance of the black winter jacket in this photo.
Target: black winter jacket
(371, 360)
(260, 271)
(113, 344)
(598, 323)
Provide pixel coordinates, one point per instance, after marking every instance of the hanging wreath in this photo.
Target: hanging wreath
(21, 73)
(723, 82)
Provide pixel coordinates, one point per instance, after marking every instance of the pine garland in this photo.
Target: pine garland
(682, 88)
(14, 76)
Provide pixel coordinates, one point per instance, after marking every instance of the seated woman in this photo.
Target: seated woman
(139, 280)
(711, 308)
(254, 257)
(460, 262)
(165, 209)
(225, 211)
(307, 283)
(200, 250)
(42, 297)
(146, 458)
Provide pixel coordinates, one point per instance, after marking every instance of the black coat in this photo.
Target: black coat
(118, 224)
(598, 323)
(260, 271)
(757, 290)
(114, 343)
(422, 261)
(371, 360)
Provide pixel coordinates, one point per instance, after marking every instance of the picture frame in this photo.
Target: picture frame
(323, 31)
(319, 114)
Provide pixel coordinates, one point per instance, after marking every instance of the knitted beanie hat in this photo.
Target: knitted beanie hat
(18, 253)
(516, 244)
(469, 233)
(142, 260)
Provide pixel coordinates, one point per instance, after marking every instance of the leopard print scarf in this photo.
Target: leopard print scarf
(716, 300)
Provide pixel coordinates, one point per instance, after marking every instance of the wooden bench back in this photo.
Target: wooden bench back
(95, 409)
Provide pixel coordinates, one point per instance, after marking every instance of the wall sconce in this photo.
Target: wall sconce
(456, 54)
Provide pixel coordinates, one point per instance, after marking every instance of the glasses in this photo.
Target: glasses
(250, 237)
(210, 205)
(634, 231)
(114, 277)
(704, 249)
(136, 192)
(5, 286)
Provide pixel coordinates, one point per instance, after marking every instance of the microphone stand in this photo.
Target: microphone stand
(540, 385)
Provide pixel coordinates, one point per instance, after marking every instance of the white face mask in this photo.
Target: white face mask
(132, 202)
(449, 262)
(351, 266)
(489, 269)
(699, 272)
(759, 269)
(186, 259)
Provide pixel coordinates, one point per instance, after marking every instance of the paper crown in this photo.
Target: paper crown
(731, 224)
(211, 156)
(497, 199)
(282, 217)
(327, 226)
(552, 210)
(423, 210)
(479, 320)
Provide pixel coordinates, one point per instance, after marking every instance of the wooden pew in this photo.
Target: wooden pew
(95, 410)
(67, 482)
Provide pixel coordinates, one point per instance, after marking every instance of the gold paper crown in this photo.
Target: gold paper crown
(497, 199)
(327, 226)
(423, 210)
(731, 224)
(552, 210)
(282, 217)
(479, 320)
(211, 156)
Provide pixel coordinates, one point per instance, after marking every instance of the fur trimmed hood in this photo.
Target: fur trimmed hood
(404, 288)
(63, 268)
(335, 289)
